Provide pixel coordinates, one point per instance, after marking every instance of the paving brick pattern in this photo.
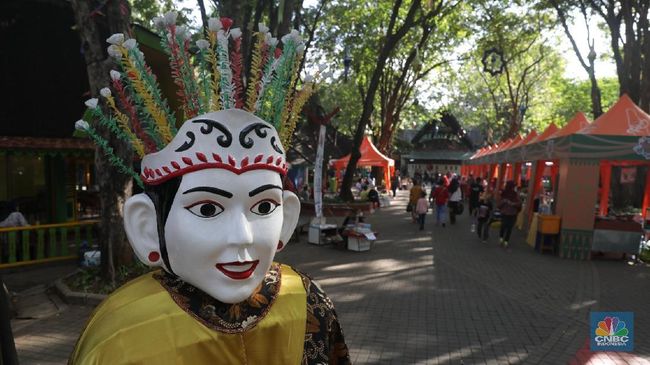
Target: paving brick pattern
(440, 296)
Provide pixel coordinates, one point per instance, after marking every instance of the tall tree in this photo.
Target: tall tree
(424, 52)
(527, 59)
(628, 25)
(395, 32)
(95, 25)
(563, 17)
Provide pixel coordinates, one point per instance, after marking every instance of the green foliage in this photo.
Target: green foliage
(571, 96)
(517, 99)
(89, 279)
(143, 11)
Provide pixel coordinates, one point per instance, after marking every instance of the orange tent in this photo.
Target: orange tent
(578, 122)
(548, 132)
(623, 119)
(532, 135)
(370, 156)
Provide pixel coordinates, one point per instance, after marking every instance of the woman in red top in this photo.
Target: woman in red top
(440, 196)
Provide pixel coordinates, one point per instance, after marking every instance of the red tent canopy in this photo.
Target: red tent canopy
(578, 122)
(532, 135)
(370, 156)
(623, 119)
(548, 132)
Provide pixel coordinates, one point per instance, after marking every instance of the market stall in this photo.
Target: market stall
(601, 167)
(619, 140)
(370, 156)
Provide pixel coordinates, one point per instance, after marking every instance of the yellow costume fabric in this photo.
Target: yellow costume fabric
(141, 324)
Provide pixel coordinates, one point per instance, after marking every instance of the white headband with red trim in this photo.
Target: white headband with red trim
(231, 139)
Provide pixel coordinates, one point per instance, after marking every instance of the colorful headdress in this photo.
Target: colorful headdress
(209, 81)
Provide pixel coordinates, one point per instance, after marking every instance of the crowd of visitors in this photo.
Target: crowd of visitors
(488, 207)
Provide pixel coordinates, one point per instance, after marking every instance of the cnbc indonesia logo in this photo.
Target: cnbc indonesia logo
(612, 331)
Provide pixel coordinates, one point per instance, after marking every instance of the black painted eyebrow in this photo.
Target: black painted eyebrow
(263, 188)
(210, 189)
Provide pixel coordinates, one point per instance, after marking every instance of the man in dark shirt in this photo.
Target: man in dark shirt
(475, 190)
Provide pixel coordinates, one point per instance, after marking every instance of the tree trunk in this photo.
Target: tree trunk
(94, 27)
(355, 154)
(391, 40)
(596, 106)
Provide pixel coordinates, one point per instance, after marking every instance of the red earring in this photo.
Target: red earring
(154, 256)
(280, 245)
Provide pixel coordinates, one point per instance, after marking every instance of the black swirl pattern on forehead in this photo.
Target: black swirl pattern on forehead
(224, 140)
(186, 146)
(275, 146)
(258, 128)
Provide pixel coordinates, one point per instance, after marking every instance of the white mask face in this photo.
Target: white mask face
(223, 230)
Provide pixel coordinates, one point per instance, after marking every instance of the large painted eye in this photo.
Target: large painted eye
(264, 207)
(205, 209)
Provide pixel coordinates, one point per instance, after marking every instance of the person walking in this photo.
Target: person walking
(475, 191)
(484, 216)
(440, 196)
(422, 208)
(394, 184)
(414, 196)
(509, 206)
(455, 198)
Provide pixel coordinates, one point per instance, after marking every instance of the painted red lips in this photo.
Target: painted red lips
(238, 270)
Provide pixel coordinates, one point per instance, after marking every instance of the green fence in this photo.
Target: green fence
(42, 243)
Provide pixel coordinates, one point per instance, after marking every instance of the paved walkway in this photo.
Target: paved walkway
(440, 296)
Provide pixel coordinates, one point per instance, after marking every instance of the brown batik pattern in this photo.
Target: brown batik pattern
(224, 317)
(324, 341)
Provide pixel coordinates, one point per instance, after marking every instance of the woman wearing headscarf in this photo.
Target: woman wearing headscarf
(455, 198)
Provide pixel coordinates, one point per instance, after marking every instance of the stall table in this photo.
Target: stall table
(617, 236)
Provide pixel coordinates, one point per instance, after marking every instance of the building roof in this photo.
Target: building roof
(439, 155)
(448, 125)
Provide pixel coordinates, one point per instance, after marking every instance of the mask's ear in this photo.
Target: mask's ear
(141, 227)
(291, 212)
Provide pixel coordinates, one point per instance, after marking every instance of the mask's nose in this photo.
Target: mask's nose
(239, 232)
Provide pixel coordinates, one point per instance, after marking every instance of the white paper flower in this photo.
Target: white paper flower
(105, 92)
(267, 38)
(81, 125)
(115, 76)
(214, 24)
(159, 22)
(91, 103)
(130, 43)
(114, 51)
(263, 28)
(300, 49)
(202, 44)
(235, 33)
(170, 18)
(296, 35)
(117, 38)
(273, 42)
(183, 33)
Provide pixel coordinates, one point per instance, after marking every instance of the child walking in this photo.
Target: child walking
(422, 208)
